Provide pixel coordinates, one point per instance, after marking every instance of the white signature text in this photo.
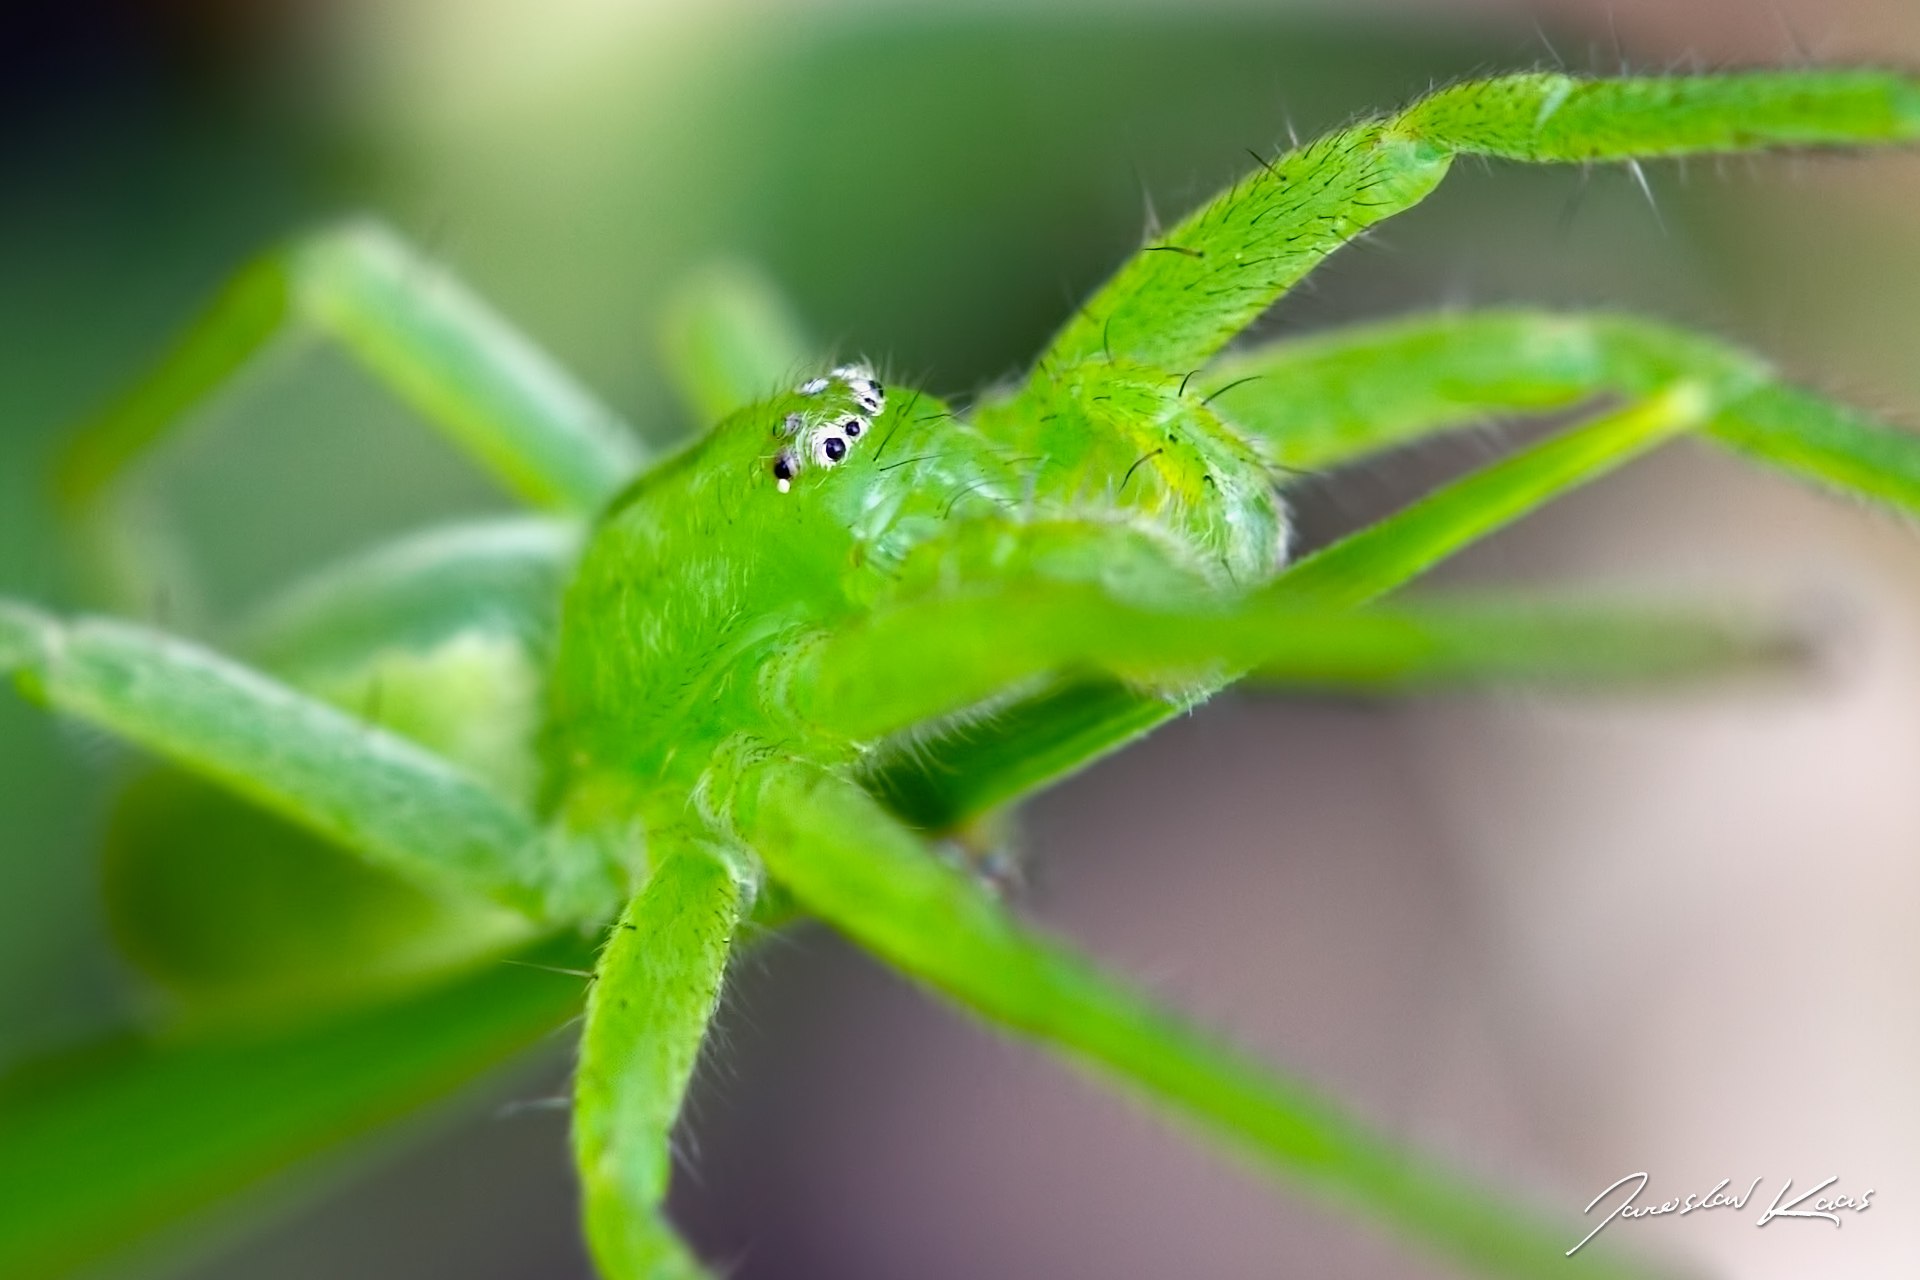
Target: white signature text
(1809, 1203)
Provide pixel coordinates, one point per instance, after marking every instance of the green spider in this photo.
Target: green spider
(853, 618)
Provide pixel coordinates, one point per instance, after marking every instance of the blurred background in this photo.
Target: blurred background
(1559, 941)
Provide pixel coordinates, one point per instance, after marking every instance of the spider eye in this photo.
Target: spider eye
(834, 447)
(783, 470)
(852, 427)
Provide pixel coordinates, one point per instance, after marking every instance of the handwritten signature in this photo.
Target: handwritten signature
(1827, 1207)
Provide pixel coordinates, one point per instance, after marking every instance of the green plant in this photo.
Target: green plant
(852, 617)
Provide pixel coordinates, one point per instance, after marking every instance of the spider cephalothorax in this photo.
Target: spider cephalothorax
(849, 618)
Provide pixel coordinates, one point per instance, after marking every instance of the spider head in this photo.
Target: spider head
(835, 418)
(803, 502)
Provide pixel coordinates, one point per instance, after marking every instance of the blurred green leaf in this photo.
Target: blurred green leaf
(102, 1148)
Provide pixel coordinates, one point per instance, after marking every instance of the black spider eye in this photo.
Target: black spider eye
(834, 447)
(851, 426)
(783, 468)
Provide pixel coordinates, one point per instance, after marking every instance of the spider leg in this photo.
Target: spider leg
(500, 577)
(440, 637)
(1327, 400)
(493, 393)
(1068, 726)
(1175, 304)
(335, 1072)
(655, 989)
(398, 805)
(729, 338)
(936, 658)
(852, 864)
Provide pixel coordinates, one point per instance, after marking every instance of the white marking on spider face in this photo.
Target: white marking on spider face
(783, 485)
(863, 386)
(812, 386)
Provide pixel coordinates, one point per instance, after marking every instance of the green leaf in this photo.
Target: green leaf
(103, 1148)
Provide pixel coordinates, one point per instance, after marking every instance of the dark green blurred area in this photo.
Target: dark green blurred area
(934, 192)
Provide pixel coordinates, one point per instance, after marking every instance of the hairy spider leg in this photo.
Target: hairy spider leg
(1351, 572)
(977, 958)
(1662, 120)
(655, 989)
(852, 864)
(1032, 630)
(499, 577)
(729, 338)
(1177, 302)
(494, 395)
(398, 805)
(411, 323)
(1322, 401)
